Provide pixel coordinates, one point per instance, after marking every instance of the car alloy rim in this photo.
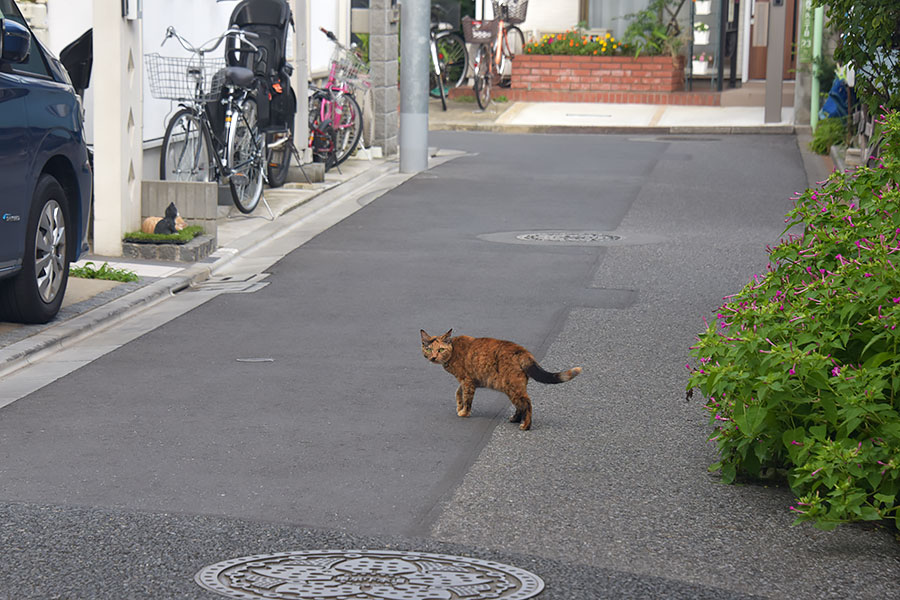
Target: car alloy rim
(50, 251)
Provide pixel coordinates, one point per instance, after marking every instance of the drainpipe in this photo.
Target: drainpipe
(300, 77)
(818, 25)
(747, 7)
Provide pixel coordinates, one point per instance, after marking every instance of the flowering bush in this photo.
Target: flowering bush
(801, 370)
(573, 42)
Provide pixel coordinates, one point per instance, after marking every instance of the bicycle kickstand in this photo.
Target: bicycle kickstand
(296, 155)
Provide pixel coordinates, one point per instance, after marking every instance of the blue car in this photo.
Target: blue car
(45, 175)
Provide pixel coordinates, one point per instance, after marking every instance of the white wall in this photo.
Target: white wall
(196, 20)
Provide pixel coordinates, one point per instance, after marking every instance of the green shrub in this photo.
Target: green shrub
(800, 369)
(829, 132)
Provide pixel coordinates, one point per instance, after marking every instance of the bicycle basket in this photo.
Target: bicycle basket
(348, 67)
(479, 32)
(511, 11)
(184, 79)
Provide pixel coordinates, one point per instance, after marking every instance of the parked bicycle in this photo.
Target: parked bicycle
(335, 118)
(499, 42)
(449, 56)
(196, 146)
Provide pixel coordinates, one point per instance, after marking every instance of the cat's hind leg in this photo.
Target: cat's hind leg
(523, 411)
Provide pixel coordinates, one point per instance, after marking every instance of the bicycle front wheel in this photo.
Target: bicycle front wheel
(454, 59)
(348, 126)
(513, 45)
(245, 156)
(483, 77)
(185, 153)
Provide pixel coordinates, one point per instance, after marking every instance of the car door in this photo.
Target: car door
(15, 163)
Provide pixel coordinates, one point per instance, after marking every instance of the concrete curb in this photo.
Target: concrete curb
(617, 130)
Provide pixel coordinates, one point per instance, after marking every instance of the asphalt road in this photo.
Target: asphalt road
(302, 415)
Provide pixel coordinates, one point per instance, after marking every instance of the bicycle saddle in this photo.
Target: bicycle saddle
(239, 76)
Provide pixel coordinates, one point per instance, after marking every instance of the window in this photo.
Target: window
(609, 14)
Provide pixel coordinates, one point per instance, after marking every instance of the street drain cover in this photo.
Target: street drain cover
(367, 575)
(568, 237)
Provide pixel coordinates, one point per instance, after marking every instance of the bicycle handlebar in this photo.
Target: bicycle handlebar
(212, 44)
(330, 35)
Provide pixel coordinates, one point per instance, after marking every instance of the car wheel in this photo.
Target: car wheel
(36, 293)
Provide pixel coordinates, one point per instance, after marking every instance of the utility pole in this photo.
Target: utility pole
(415, 49)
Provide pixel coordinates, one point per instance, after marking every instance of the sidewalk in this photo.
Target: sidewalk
(94, 304)
(580, 117)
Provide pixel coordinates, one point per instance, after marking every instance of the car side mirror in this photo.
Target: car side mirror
(15, 41)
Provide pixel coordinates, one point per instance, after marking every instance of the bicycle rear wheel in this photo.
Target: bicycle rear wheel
(513, 45)
(185, 153)
(483, 77)
(348, 127)
(245, 157)
(279, 146)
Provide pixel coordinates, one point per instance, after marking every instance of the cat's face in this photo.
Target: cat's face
(437, 349)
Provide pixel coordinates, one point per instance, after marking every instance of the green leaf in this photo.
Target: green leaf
(875, 361)
(869, 513)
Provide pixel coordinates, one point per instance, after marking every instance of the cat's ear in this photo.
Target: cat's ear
(425, 336)
(446, 336)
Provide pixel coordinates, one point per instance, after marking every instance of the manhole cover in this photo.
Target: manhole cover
(568, 237)
(367, 575)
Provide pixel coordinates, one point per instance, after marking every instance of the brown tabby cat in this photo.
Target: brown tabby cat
(491, 363)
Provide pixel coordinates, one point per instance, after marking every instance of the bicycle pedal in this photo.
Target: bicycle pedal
(240, 179)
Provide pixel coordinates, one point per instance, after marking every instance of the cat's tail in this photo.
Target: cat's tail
(535, 371)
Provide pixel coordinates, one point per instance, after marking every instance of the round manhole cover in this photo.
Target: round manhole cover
(367, 575)
(568, 237)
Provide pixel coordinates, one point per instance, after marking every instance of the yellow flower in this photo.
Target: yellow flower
(608, 35)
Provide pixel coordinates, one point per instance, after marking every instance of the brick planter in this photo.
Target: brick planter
(645, 79)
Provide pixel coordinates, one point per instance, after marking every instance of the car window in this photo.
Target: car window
(35, 65)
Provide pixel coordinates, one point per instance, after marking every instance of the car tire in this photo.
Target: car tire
(35, 294)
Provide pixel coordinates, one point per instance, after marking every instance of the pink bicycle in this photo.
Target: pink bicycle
(335, 118)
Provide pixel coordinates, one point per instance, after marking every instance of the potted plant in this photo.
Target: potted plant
(700, 64)
(702, 7)
(701, 34)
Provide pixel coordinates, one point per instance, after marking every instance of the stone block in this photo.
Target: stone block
(197, 249)
(384, 73)
(315, 172)
(196, 201)
(384, 47)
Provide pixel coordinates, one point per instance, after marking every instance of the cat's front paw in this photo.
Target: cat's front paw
(463, 412)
